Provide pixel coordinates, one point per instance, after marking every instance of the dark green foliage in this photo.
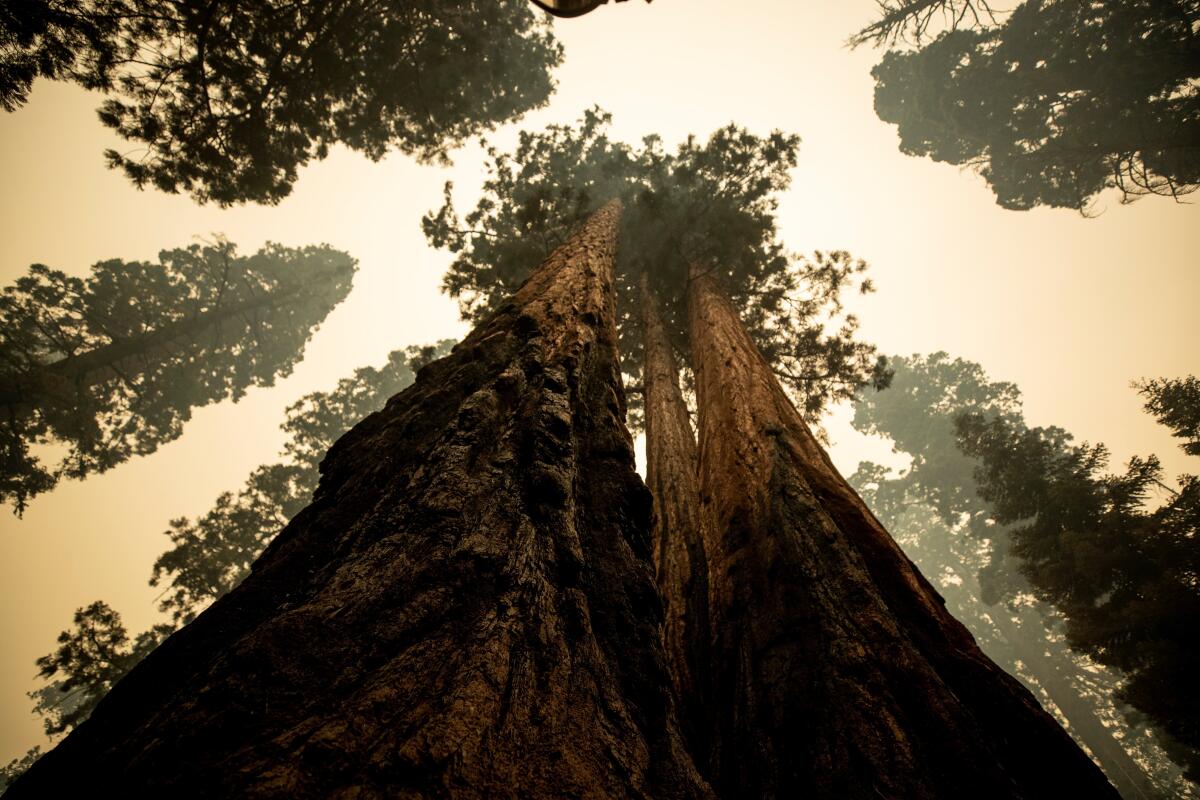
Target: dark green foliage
(1043, 518)
(1176, 404)
(212, 554)
(709, 203)
(1064, 99)
(90, 658)
(226, 100)
(111, 366)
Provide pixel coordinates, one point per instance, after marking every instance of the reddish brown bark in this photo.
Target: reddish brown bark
(467, 609)
(679, 560)
(837, 671)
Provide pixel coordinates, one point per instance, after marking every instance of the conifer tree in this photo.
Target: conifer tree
(111, 365)
(226, 101)
(467, 608)
(1053, 102)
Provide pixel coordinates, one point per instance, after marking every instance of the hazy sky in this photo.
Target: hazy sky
(1070, 309)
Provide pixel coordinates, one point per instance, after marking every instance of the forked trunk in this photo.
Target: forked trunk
(467, 608)
(679, 559)
(837, 671)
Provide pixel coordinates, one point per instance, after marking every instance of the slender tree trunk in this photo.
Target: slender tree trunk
(679, 559)
(837, 671)
(467, 609)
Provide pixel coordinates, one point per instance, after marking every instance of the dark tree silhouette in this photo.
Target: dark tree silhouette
(570, 8)
(112, 365)
(1061, 100)
(934, 509)
(226, 100)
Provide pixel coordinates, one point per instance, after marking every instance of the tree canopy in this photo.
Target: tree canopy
(227, 100)
(710, 203)
(1061, 100)
(111, 365)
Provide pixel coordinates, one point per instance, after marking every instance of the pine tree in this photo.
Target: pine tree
(112, 365)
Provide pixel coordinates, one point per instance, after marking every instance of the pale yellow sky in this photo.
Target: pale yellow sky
(1070, 309)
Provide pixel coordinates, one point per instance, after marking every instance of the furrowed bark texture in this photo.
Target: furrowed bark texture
(679, 560)
(467, 609)
(837, 671)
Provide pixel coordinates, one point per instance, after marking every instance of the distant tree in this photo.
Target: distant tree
(934, 509)
(111, 366)
(1037, 517)
(90, 658)
(1061, 100)
(17, 767)
(227, 100)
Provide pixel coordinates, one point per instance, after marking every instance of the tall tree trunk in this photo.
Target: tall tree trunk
(679, 559)
(837, 670)
(467, 609)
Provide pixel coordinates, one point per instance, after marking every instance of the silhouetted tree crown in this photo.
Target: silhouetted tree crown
(111, 365)
(712, 203)
(227, 100)
(1062, 100)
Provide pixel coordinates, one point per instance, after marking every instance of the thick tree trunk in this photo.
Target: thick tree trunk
(467, 609)
(679, 559)
(837, 671)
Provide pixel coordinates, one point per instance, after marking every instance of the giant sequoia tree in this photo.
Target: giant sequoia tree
(793, 624)
(111, 365)
(226, 100)
(467, 608)
(1052, 104)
